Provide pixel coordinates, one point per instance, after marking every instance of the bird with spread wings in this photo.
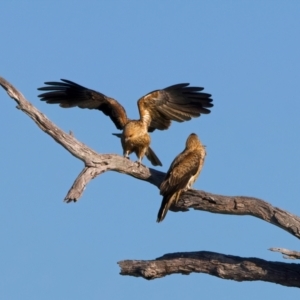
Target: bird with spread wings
(183, 172)
(157, 109)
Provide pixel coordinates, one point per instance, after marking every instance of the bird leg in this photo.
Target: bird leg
(126, 154)
(139, 161)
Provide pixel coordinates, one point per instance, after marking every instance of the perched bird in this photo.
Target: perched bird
(183, 172)
(157, 109)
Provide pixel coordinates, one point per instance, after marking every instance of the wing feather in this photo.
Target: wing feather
(184, 166)
(179, 102)
(70, 94)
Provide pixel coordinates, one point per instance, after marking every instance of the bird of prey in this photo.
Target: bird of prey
(183, 172)
(157, 109)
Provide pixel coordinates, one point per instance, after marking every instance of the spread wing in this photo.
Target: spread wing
(179, 102)
(184, 166)
(70, 94)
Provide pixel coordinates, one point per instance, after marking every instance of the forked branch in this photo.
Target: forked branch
(224, 266)
(95, 164)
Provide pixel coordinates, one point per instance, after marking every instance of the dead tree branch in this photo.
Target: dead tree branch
(239, 205)
(219, 265)
(95, 164)
(229, 267)
(288, 254)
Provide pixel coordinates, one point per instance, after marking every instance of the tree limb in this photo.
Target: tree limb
(288, 254)
(240, 205)
(219, 265)
(224, 266)
(96, 164)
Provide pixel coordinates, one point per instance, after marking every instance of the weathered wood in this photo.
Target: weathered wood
(224, 266)
(239, 205)
(96, 164)
(288, 254)
(216, 264)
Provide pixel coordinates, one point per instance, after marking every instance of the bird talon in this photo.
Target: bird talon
(139, 163)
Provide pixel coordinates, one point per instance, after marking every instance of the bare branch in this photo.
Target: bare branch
(239, 205)
(288, 254)
(75, 147)
(223, 266)
(219, 265)
(96, 164)
(112, 162)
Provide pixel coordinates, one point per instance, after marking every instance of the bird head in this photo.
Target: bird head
(129, 131)
(192, 141)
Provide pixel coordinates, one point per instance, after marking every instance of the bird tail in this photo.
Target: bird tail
(152, 157)
(166, 203)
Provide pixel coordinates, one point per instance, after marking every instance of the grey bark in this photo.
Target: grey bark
(288, 254)
(219, 265)
(96, 164)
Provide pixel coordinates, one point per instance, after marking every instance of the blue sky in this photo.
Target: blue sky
(246, 53)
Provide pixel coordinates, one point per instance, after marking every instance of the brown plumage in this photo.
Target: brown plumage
(157, 109)
(183, 172)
